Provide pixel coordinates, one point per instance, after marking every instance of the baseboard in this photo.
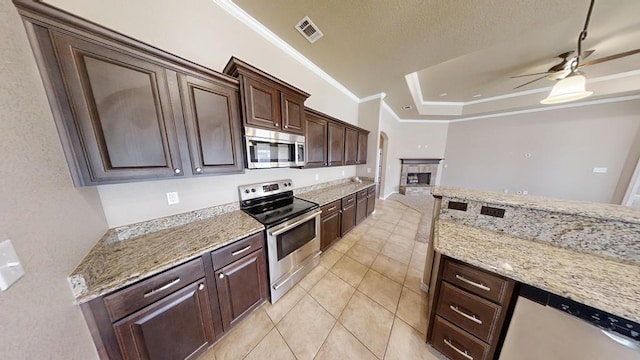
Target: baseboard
(424, 287)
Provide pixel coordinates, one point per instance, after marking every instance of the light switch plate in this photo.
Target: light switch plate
(600, 170)
(10, 268)
(172, 198)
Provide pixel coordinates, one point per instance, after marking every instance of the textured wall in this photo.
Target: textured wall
(565, 145)
(201, 31)
(51, 223)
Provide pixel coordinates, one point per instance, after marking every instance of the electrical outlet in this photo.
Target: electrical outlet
(317, 176)
(525, 192)
(369, 170)
(600, 170)
(172, 198)
(342, 172)
(10, 268)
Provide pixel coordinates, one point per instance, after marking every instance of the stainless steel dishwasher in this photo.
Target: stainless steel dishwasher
(547, 326)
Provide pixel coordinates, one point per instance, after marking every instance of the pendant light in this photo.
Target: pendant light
(572, 87)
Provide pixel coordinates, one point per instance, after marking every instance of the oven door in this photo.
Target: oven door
(291, 245)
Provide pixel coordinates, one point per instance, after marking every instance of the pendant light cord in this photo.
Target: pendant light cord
(582, 36)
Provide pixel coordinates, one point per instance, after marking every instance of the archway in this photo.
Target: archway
(383, 146)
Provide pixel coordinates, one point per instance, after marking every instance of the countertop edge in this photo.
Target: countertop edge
(358, 187)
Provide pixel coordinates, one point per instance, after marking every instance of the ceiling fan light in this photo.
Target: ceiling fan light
(568, 89)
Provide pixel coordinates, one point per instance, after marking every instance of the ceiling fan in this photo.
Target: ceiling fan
(573, 60)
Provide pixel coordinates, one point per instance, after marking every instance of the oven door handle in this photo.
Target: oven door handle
(286, 227)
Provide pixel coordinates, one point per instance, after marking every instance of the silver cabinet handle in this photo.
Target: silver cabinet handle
(464, 314)
(473, 283)
(325, 164)
(177, 170)
(221, 276)
(201, 287)
(276, 125)
(161, 288)
(332, 208)
(350, 200)
(198, 170)
(463, 353)
(241, 250)
(286, 126)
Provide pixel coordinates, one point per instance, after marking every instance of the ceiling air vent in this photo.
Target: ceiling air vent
(309, 30)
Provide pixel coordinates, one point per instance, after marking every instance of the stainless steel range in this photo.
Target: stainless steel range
(293, 231)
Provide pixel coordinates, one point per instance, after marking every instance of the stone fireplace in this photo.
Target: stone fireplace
(417, 176)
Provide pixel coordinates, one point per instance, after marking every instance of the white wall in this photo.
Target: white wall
(51, 223)
(565, 145)
(202, 32)
(409, 140)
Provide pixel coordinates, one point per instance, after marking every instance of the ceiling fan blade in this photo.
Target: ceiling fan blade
(610, 57)
(586, 54)
(525, 75)
(532, 81)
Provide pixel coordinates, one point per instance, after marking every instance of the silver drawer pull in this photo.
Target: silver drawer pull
(331, 208)
(463, 353)
(161, 288)
(350, 200)
(473, 283)
(241, 250)
(470, 317)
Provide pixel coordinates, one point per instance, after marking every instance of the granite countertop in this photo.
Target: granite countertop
(596, 281)
(111, 265)
(588, 209)
(328, 194)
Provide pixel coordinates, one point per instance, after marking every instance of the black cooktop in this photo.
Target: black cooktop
(280, 210)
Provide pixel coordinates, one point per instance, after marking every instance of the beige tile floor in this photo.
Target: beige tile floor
(362, 302)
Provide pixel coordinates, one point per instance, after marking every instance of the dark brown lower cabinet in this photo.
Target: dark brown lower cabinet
(330, 221)
(371, 200)
(361, 206)
(242, 285)
(348, 213)
(176, 327)
(179, 313)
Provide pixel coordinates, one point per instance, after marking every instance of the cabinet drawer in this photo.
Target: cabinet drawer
(237, 250)
(477, 281)
(330, 208)
(371, 190)
(348, 200)
(455, 343)
(137, 296)
(362, 194)
(472, 313)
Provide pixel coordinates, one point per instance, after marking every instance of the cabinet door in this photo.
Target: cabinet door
(371, 203)
(122, 112)
(350, 146)
(361, 210)
(316, 141)
(292, 114)
(362, 148)
(213, 126)
(241, 285)
(261, 104)
(176, 327)
(330, 230)
(336, 144)
(348, 218)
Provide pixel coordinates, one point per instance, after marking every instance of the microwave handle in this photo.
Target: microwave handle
(297, 153)
(286, 227)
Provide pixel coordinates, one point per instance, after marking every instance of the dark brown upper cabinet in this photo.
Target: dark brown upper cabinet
(212, 121)
(363, 137)
(316, 140)
(336, 144)
(126, 111)
(122, 119)
(331, 142)
(350, 146)
(268, 102)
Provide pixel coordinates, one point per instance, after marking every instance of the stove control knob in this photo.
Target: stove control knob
(253, 190)
(246, 191)
(285, 184)
(289, 184)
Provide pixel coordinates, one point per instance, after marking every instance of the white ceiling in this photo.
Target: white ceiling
(413, 51)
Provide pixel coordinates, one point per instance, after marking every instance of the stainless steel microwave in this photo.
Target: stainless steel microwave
(273, 149)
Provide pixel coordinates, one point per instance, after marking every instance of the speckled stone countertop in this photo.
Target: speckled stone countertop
(333, 193)
(588, 209)
(111, 265)
(599, 282)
